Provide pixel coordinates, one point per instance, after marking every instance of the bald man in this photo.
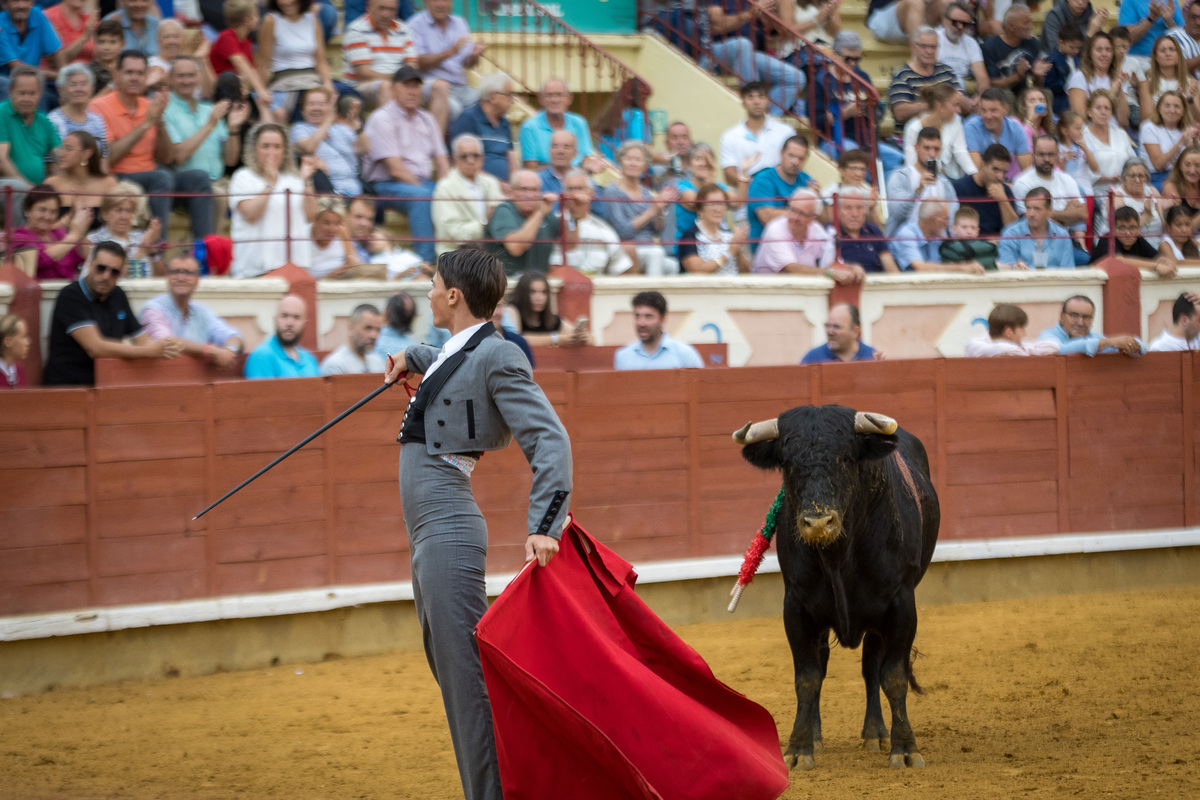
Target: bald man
(523, 231)
(281, 356)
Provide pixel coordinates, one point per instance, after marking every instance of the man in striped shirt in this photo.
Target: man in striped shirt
(923, 69)
(1188, 38)
(374, 47)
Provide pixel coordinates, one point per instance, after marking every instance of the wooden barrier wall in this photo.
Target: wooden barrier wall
(98, 486)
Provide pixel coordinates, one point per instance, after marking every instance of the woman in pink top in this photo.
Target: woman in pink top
(60, 251)
(75, 30)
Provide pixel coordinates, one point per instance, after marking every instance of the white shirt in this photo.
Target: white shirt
(1164, 138)
(959, 56)
(1109, 157)
(739, 143)
(955, 160)
(985, 346)
(10, 371)
(252, 258)
(1167, 342)
(326, 260)
(599, 250)
(1062, 187)
(457, 342)
(344, 361)
(1079, 81)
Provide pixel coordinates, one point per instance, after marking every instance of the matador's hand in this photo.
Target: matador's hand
(540, 547)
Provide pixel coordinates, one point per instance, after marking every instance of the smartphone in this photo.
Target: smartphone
(931, 166)
(581, 324)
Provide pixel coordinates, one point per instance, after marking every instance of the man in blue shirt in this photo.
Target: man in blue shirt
(915, 245)
(992, 125)
(843, 330)
(1035, 242)
(555, 99)
(281, 356)
(1074, 332)
(141, 29)
(770, 189)
(488, 119)
(1147, 20)
(26, 37)
(654, 349)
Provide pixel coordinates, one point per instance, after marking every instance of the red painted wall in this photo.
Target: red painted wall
(98, 486)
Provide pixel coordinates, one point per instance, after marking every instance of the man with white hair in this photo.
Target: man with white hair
(923, 69)
(522, 231)
(555, 99)
(488, 119)
(834, 91)
(958, 48)
(562, 152)
(915, 245)
(796, 244)
(894, 21)
(465, 198)
(599, 250)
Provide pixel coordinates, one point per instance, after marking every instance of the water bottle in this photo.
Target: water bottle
(137, 268)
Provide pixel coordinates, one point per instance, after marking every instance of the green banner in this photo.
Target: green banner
(586, 16)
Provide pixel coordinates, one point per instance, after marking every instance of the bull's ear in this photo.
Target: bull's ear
(874, 446)
(764, 455)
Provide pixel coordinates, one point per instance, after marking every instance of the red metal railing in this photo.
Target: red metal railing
(604, 87)
(686, 31)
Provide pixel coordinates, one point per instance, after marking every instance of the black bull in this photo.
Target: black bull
(856, 532)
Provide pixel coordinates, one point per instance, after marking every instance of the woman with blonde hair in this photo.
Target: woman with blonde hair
(1100, 69)
(1167, 133)
(1168, 73)
(123, 210)
(1182, 187)
(1108, 143)
(272, 204)
(942, 100)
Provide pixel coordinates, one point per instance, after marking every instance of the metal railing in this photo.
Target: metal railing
(690, 32)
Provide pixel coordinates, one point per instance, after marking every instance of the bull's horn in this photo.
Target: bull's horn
(765, 431)
(866, 422)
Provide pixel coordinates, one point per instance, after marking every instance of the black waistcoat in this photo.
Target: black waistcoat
(413, 427)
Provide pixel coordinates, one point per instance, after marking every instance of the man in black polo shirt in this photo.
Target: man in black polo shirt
(988, 194)
(92, 318)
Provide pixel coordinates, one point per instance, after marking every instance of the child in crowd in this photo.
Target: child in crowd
(1179, 243)
(110, 41)
(1063, 61)
(1130, 246)
(1073, 154)
(966, 246)
(1006, 334)
(14, 347)
(1135, 68)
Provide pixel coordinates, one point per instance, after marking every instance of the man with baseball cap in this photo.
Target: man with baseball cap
(406, 146)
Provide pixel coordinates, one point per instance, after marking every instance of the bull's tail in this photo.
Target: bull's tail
(913, 655)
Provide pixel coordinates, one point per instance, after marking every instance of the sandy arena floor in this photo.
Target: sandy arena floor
(1090, 696)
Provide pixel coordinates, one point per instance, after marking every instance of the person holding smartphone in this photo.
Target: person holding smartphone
(919, 181)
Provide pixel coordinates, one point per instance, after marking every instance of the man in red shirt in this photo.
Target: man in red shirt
(138, 143)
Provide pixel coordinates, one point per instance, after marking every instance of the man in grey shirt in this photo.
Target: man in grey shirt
(356, 356)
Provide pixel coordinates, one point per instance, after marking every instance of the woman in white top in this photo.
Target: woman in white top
(1168, 73)
(816, 20)
(291, 54)
(1107, 143)
(955, 161)
(1166, 134)
(709, 247)
(1100, 69)
(262, 215)
(1136, 192)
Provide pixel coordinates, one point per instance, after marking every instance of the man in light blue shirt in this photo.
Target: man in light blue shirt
(1035, 242)
(445, 53)
(201, 333)
(281, 356)
(1147, 20)
(200, 133)
(992, 125)
(915, 245)
(141, 28)
(555, 99)
(1074, 332)
(654, 349)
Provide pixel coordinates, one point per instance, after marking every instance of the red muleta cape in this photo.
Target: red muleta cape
(595, 698)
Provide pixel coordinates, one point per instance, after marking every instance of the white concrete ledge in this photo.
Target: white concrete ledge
(307, 601)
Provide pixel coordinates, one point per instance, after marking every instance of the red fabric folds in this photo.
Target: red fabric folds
(595, 698)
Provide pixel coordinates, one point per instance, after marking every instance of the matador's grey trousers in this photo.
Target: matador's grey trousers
(447, 539)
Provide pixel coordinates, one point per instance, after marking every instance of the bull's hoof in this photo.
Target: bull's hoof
(896, 761)
(914, 760)
(806, 763)
(875, 745)
(818, 745)
(793, 760)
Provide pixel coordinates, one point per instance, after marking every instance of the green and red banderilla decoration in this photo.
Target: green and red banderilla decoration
(758, 549)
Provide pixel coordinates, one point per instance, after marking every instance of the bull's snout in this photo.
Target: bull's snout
(819, 528)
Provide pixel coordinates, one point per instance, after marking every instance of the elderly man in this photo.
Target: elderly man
(201, 333)
(204, 136)
(1035, 242)
(769, 187)
(464, 200)
(406, 148)
(843, 334)
(27, 38)
(92, 319)
(27, 137)
(835, 92)
(860, 243)
(915, 245)
(992, 125)
(445, 52)
(555, 99)
(1074, 332)
(374, 46)
(923, 69)
(679, 142)
(281, 356)
(1013, 56)
(1188, 37)
(796, 244)
(1184, 331)
(357, 356)
(488, 120)
(894, 21)
(958, 48)
(139, 143)
(598, 250)
(522, 231)
(917, 182)
(562, 153)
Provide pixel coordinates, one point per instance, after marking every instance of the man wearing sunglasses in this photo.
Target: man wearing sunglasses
(958, 48)
(93, 319)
